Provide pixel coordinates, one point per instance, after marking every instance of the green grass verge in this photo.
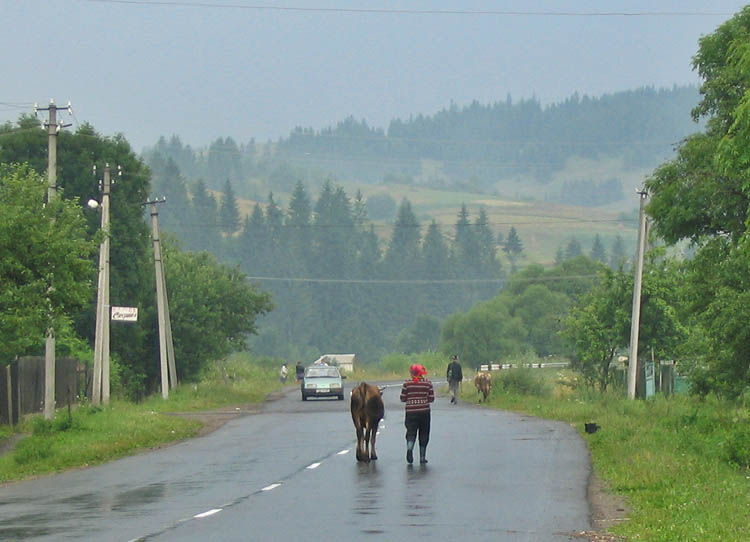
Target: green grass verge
(682, 465)
(93, 435)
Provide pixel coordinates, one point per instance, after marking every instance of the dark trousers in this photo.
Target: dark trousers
(418, 422)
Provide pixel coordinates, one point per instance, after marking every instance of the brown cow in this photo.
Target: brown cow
(483, 382)
(367, 411)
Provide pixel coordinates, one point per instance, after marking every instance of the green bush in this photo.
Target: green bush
(523, 381)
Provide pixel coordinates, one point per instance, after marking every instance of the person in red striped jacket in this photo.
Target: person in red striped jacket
(417, 393)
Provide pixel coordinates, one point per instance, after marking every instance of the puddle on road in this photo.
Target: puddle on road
(368, 500)
(419, 497)
(137, 497)
(55, 514)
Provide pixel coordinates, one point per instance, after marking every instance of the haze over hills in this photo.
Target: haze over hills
(586, 151)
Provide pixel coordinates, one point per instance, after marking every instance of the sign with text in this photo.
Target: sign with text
(124, 314)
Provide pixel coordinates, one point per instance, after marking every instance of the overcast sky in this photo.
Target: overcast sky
(258, 68)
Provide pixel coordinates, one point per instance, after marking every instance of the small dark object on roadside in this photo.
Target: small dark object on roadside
(591, 428)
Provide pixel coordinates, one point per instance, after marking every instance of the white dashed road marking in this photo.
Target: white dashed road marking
(206, 514)
(213, 511)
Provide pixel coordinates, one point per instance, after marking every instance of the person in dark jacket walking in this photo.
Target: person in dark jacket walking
(299, 371)
(454, 377)
(417, 393)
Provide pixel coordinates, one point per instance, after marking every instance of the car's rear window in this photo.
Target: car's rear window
(329, 372)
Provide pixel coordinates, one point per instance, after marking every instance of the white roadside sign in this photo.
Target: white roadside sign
(124, 314)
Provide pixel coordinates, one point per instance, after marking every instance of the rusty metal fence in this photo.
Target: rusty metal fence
(22, 386)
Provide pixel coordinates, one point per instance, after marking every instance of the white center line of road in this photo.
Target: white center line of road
(313, 466)
(269, 488)
(206, 514)
(342, 452)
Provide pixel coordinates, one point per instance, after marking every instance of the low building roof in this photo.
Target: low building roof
(338, 359)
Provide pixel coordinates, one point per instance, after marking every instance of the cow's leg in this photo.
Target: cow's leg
(360, 441)
(374, 432)
(366, 447)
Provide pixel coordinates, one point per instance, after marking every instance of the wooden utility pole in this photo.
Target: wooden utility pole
(166, 347)
(100, 382)
(53, 127)
(9, 391)
(636, 313)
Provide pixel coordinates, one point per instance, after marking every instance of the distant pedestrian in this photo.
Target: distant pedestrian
(300, 371)
(417, 393)
(283, 373)
(454, 375)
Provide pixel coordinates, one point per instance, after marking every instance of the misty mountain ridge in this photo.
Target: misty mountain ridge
(588, 151)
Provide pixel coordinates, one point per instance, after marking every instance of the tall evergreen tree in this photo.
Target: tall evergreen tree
(402, 256)
(439, 299)
(464, 245)
(598, 252)
(254, 243)
(334, 257)
(513, 244)
(435, 254)
(206, 235)
(485, 240)
(298, 221)
(513, 248)
(274, 221)
(223, 162)
(168, 181)
(369, 254)
(229, 213)
(402, 261)
(573, 249)
(359, 209)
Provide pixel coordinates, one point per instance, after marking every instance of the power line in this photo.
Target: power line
(418, 281)
(395, 11)
(390, 226)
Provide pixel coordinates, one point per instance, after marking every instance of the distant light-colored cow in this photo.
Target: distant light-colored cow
(483, 383)
(367, 411)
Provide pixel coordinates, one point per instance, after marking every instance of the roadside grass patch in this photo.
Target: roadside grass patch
(680, 463)
(94, 435)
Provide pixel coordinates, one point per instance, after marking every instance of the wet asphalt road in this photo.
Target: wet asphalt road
(290, 474)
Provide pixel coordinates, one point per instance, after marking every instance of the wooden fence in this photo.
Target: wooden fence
(22, 386)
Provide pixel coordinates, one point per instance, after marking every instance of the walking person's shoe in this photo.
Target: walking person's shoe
(423, 454)
(410, 451)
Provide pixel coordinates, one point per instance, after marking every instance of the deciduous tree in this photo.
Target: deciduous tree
(46, 270)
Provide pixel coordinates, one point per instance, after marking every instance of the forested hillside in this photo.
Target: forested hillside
(586, 151)
(484, 143)
(369, 274)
